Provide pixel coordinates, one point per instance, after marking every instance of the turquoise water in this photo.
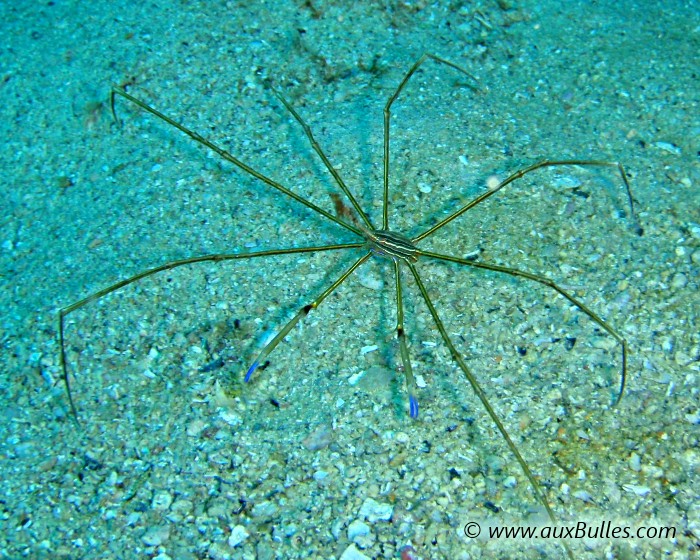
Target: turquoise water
(317, 456)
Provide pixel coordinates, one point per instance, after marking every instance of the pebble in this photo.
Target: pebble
(320, 475)
(566, 182)
(668, 147)
(161, 501)
(263, 551)
(679, 280)
(351, 553)
(265, 509)
(583, 496)
(637, 489)
(179, 510)
(367, 349)
(319, 438)
(694, 518)
(336, 528)
(196, 427)
(24, 449)
(155, 536)
(402, 437)
(494, 463)
(357, 529)
(635, 462)
(373, 511)
(361, 534)
(237, 536)
(653, 471)
(219, 551)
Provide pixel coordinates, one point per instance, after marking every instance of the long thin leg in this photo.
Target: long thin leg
(456, 356)
(549, 283)
(387, 119)
(317, 148)
(228, 157)
(64, 312)
(518, 174)
(403, 345)
(303, 312)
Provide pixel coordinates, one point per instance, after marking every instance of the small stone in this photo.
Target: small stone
(583, 496)
(237, 536)
(219, 551)
(351, 553)
(336, 528)
(161, 501)
(635, 462)
(637, 489)
(319, 438)
(155, 536)
(566, 182)
(360, 533)
(668, 147)
(357, 529)
(652, 471)
(373, 511)
(367, 349)
(196, 427)
(694, 518)
(179, 510)
(667, 345)
(320, 475)
(510, 482)
(679, 280)
(263, 551)
(264, 509)
(402, 437)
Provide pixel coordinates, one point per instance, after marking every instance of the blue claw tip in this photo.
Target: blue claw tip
(413, 406)
(250, 371)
